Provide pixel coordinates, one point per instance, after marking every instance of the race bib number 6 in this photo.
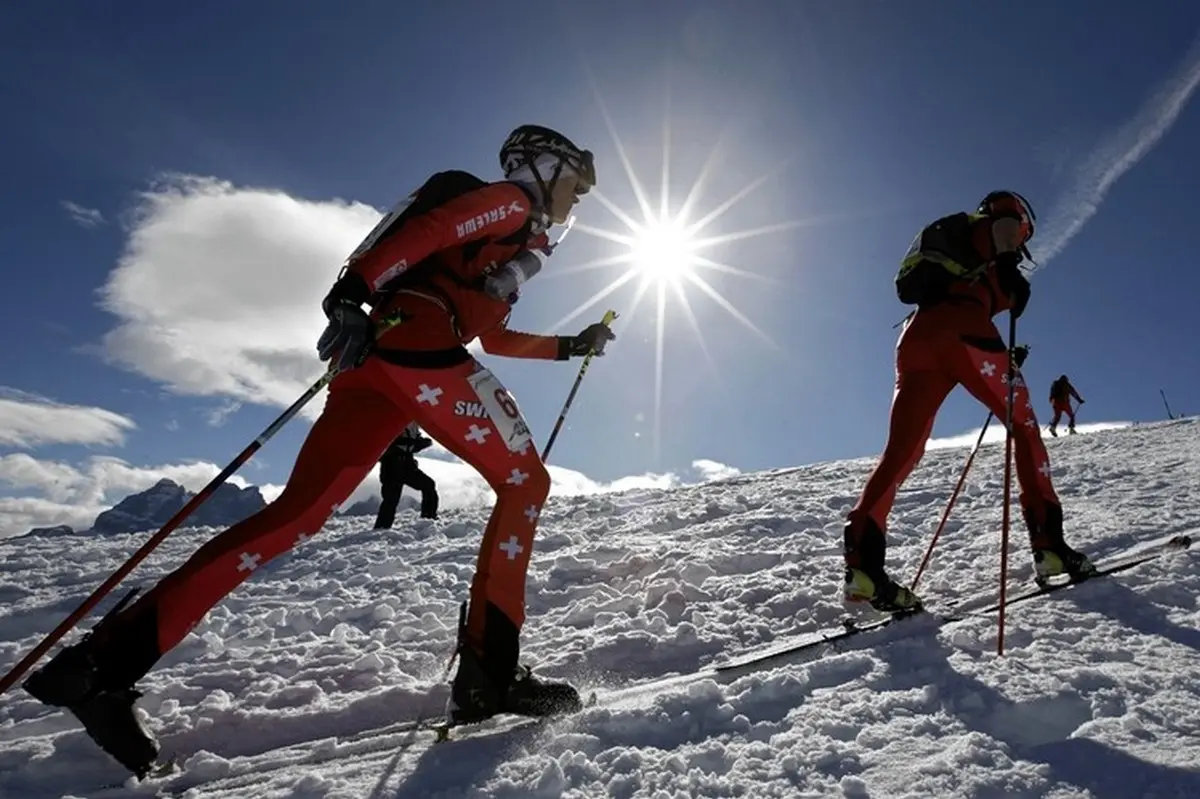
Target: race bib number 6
(502, 410)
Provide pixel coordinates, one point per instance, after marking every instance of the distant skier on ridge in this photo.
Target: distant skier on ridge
(1061, 392)
(445, 266)
(960, 271)
(398, 468)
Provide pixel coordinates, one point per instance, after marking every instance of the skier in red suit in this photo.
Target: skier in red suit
(1061, 392)
(442, 269)
(960, 271)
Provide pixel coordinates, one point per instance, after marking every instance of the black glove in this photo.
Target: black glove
(349, 336)
(590, 340)
(1012, 282)
(1020, 353)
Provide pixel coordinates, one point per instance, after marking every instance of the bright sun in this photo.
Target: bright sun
(663, 249)
(668, 255)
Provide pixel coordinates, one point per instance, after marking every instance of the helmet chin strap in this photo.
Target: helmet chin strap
(540, 177)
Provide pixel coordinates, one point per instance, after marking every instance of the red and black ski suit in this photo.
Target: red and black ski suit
(949, 342)
(1061, 392)
(420, 372)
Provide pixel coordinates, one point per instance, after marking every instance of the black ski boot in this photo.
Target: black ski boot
(866, 580)
(1051, 555)
(484, 687)
(101, 694)
(70, 680)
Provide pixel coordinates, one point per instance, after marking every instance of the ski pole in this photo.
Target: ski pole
(1008, 446)
(67, 624)
(1166, 404)
(962, 478)
(609, 318)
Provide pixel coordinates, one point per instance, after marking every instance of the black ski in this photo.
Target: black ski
(815, 641)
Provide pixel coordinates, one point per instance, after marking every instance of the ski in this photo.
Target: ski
(1114, 564)
(443, 729)
(815, 642)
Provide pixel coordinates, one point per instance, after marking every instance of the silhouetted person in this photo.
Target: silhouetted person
(397, 469)
(1061, 392)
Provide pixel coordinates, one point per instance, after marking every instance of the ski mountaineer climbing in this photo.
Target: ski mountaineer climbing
(960, 272)
(398, 468)
(1061, 392)
(445, 264)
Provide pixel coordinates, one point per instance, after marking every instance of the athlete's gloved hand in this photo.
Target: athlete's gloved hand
(1020, 353)
(349, 336)
(591, 340)
(1012, 282)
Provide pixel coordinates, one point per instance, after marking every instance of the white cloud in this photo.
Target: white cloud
(85, 217)
(27, 420)
(218, 290)
(995, 434)
(712, 470)
(1119, 153)
(76, 494)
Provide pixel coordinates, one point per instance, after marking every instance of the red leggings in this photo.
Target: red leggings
(930, 362)
(366, 409)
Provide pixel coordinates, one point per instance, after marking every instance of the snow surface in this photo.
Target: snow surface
(293, 686)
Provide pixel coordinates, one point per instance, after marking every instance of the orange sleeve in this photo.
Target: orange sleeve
(512, 344)
(495, 210)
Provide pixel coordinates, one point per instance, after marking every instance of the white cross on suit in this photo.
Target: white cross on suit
(988, 369)
(1045, 469)
(478, 434)
(517, 477)
(512, 547)
(429, 394)
(249, 562)
(531, 513)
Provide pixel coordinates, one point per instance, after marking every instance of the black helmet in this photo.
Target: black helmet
(527, 142)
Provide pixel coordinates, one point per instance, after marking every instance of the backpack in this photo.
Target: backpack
(941, 254)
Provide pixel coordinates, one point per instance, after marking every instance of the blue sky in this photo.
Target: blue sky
(181, 185)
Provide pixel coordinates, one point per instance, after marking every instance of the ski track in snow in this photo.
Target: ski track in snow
(288, 688)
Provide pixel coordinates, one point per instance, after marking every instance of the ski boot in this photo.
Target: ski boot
(880, 591)
(1071, 429)
(476, 696)
(1053, 431)
(1051, 555)
(71, 681)
(866, 580)
(484, 687)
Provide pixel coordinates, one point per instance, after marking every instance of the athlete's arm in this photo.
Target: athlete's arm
(514, 344)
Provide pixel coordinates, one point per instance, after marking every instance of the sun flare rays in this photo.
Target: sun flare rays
(664, 251)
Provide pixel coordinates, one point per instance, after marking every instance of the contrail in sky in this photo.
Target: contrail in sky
(1115, 156)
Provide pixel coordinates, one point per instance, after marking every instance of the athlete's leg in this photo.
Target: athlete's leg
(358, 422)
(915, 405)
(447, 406)
(422, 482)
(982, 368)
